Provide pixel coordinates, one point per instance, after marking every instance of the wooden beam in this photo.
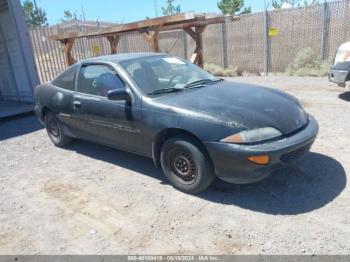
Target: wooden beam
(173, 22)
(59, 37)
(208, 21)
(113, 41)
(68, 46)
(197, 57)
(191, 33)
(135, 26)
(152, 38)
(193, 24)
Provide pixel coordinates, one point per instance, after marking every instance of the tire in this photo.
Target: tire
(186, 165)
(55, 131)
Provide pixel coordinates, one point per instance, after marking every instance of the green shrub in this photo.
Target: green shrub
(219, 71)
(307, 63)
(249, 73)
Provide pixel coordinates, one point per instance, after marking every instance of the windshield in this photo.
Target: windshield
(156, 73)
(342, 56)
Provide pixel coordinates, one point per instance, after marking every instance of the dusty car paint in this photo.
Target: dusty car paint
(209, 114)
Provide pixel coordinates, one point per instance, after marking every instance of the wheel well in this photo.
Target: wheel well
(44, 112)
(172, 132)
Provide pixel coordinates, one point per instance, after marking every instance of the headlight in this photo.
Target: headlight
(252, 136)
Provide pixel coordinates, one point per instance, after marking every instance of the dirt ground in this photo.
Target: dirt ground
(89, 199)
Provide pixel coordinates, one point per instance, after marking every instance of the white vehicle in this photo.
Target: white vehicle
(340, 71)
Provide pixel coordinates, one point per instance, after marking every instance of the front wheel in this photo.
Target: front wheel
(186, 165)
(54, 130)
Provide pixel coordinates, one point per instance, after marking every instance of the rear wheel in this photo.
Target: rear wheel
(54, 130)
(186, 165)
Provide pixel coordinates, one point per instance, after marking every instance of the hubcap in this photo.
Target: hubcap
(183, 166)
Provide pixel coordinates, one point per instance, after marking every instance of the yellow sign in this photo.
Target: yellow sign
(96, 50)
(273, 31)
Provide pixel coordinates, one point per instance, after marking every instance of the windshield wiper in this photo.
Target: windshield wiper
(202, 82)
(194, 84)
(165, 90)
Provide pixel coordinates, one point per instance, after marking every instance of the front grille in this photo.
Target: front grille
(295, 154)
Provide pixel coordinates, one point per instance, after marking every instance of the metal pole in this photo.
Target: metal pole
(266, 42)
(184, 43)
(124, 44)
(324, 18)
(224, 45)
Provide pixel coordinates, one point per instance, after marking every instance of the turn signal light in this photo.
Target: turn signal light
(260, 160)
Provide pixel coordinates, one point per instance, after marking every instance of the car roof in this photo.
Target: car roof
(117, 58)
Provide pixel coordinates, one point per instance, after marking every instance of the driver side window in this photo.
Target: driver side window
(98, 80)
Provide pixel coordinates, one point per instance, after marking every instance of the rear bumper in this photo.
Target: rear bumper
(231, 163)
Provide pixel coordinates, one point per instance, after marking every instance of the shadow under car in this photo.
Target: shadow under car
(310, 183)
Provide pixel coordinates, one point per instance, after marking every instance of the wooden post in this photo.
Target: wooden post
(197, 57)
(199, 46)
(154, 41)
(113, 41)
(68, 45)
(152, 38)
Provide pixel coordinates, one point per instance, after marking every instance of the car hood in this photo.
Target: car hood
(240, 105)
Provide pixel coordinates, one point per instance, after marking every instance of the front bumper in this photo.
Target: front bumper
(231, 163)
(38, 109)
(338, 76)
(340, 73)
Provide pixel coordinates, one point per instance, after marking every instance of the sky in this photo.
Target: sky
(123, 11)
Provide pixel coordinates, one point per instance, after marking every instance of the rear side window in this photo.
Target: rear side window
(98, 80)
(67, 79)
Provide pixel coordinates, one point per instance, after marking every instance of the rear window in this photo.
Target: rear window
(66, 80)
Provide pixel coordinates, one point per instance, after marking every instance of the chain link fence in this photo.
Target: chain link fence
(240, 44)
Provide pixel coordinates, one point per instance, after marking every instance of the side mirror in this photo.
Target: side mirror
(118, 94)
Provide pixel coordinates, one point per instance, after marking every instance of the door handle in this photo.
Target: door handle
(76, 104)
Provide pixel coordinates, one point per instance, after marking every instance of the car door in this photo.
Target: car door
(102, 120)
(59, 96)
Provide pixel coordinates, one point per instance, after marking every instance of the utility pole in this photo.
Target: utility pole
(156, 8)
(82, 11)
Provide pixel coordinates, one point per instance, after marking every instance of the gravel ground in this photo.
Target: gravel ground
(89, 199)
